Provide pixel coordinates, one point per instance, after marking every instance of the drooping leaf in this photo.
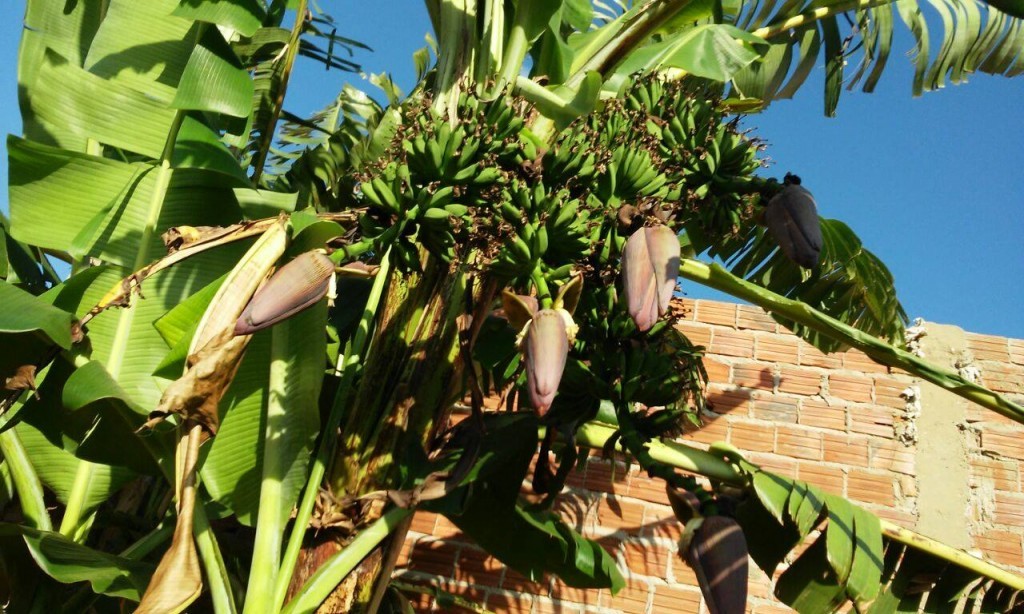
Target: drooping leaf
(534, 543)
(23, 313)
(70, 562)
(713, 51)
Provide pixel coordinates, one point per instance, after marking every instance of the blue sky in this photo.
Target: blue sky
(933, 185)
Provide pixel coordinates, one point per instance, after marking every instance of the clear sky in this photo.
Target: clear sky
(933, 185)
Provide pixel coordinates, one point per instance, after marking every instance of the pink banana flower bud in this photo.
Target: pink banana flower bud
(294, 287)
(545, 347)
(717, 552)
(650, 266)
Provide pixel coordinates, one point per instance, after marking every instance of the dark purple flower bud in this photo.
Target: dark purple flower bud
(294, 287)
(545, 347)
(792, 218)
(650, 266)
(717, 552)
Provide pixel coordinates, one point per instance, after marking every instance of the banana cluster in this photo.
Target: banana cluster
(546, 229)
(709, 159)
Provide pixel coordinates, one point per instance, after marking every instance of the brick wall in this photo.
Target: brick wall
(839, 421)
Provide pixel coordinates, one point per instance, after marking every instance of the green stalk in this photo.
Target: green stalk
(325, 448)
(595, 435)
(270, 518)
(516, 48)
(335, 569)
(881, 352)
(490, 54)
(605, 52)
(26, 481)
(216, 572)
(796, 21)
(290, 53)
(457, 43)
(73, 524)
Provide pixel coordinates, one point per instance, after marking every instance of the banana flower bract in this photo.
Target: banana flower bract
(650, 266)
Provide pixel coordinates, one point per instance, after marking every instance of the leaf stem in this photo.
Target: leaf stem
(716, 277)
(595, 435)
(26, 481)
(291, 52)
(816, 14)
(325, 448)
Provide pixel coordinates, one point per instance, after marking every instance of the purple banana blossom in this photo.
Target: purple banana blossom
(718, 555)
(650, 266)
(294, 287)
(545, 347)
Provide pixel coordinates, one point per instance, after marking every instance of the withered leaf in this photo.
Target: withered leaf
(195, 395)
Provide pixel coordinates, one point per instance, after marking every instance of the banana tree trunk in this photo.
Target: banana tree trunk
(412, 374)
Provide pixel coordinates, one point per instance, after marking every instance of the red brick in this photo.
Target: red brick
(660, 521)
(856, 388)
(718, 372)
(855, 360)
(776, 348)
(647, 488)
(712, 430)
(1003, 474)
(1010, 509)
(619, 514)
(647, 559)
(775, 409)
(753, 375)
(713, 312)
(546, 606)
(605, 476)
(1001, 546)
(773, 462)
(869, 420)
(755, 318)
(1017, 351)
(750, 437)
(869, 487)
(571, 594)
(446, 530)
(900, 517)
(433, 557)
(847, 450)
(681, 572)
(890, 455)
(518, 583)
(811, 356)
(1003, 378)
(423, 522)
(728, 400)
(477, 567)
(508, 602)
(889, 392)
(828, 478)
(732, 343)
(799, 381)
(675, 599)
(823, 415)
(1011, 445)
(988, 347)
(630, 600)
(685, 307)
(698, 334)
(798, 442)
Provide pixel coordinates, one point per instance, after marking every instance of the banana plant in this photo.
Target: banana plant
(238, 393)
